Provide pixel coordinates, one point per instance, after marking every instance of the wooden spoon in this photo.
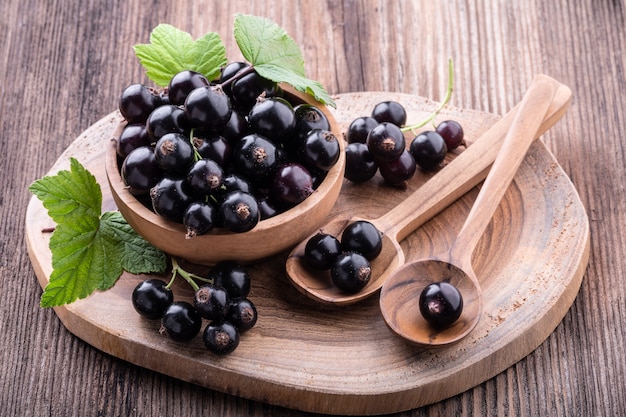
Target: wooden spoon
(458, 177)
(401, 291)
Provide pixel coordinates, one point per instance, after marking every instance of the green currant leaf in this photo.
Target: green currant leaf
(172, 50)
(89, 249)
(275, 55)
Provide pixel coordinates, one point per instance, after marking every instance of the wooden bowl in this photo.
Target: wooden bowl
(269, 237)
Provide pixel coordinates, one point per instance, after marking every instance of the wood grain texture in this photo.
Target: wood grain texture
(63, 64)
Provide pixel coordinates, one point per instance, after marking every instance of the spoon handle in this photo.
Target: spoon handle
(518, 139)
(462, 174)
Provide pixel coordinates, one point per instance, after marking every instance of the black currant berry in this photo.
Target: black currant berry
(309, 117)
(242, 314)
(170, 198)
(233, 277)
(174, 153)
(273, 118)
(359, 128)
(214, 147)
(363, 237)
(140, 171)
(181, 322)
(208, 108)
(246, 90)
(205, 177)
(151, 298)
(350, 272)
(321, 250)
(166, 119)
(429, 150)
(386, 142)
(199, 218)
(360, 164)
(452, 133)
(390, 111)
(184, 83)
(132, 137)
(239, 212)
(137, 101)
(221, 337)
(441, 304)
(267, 207)
(228, 72)
(257, 158)
(211, 302)
(398, 171)
(319, 150)
(236, 128)
(292, 184)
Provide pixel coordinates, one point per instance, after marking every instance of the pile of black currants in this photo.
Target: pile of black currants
(222, 300)
(377, 143)
(347, 259)
(225, 153)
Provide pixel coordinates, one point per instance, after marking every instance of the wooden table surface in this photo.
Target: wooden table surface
(63, 65)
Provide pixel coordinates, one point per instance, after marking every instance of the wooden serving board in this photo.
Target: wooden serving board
(344, 360)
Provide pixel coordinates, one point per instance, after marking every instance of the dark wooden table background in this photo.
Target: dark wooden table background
(63, 65)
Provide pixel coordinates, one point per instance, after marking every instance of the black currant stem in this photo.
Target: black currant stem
(196, 154)
(441, 106)
(188, 276)
(244, 71)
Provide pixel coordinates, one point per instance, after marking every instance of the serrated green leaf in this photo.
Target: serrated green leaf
(275, 55)
(172, 50)
(138, 255)
(263, 42)
(89, 250)
(69, 194)
(300, 83)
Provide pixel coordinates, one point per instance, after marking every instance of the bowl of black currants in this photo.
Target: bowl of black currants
(210, 171)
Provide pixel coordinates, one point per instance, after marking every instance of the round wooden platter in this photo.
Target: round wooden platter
(344, 360)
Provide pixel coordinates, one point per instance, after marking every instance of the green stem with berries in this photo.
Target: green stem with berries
(188, 276)
(445, 101)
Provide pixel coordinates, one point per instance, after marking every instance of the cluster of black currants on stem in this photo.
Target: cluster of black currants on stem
(221, 299)
(224, 153)
(347, 259)
(376, 143)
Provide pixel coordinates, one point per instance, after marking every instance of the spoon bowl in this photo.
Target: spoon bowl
(458, 177)
(400, 293)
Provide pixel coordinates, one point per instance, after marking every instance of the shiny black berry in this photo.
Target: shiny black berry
(170, 198)
(350, 272)
(214, 147)
(181, 322)
(452, 133)
(221, 337)
(441, 304)
(242, 314)
(257, 158)
(137, 101)
(319, 150)
(309, 117)
(363, 237)
(132, 137)
(359, 128)
(166, 119)
(205, 177)
(174, 153)
(273, 118)
(184, 83)
(199, 218)
(360, 164)
(398, 171)
(239, 212)
(233, 277)
(208, 108)
(321, 250)
(429, 150)
(151, 298)
(292, 184)
(211, 302)
(390, 111)
(246, 90)
(386, 142)
(140, 171)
